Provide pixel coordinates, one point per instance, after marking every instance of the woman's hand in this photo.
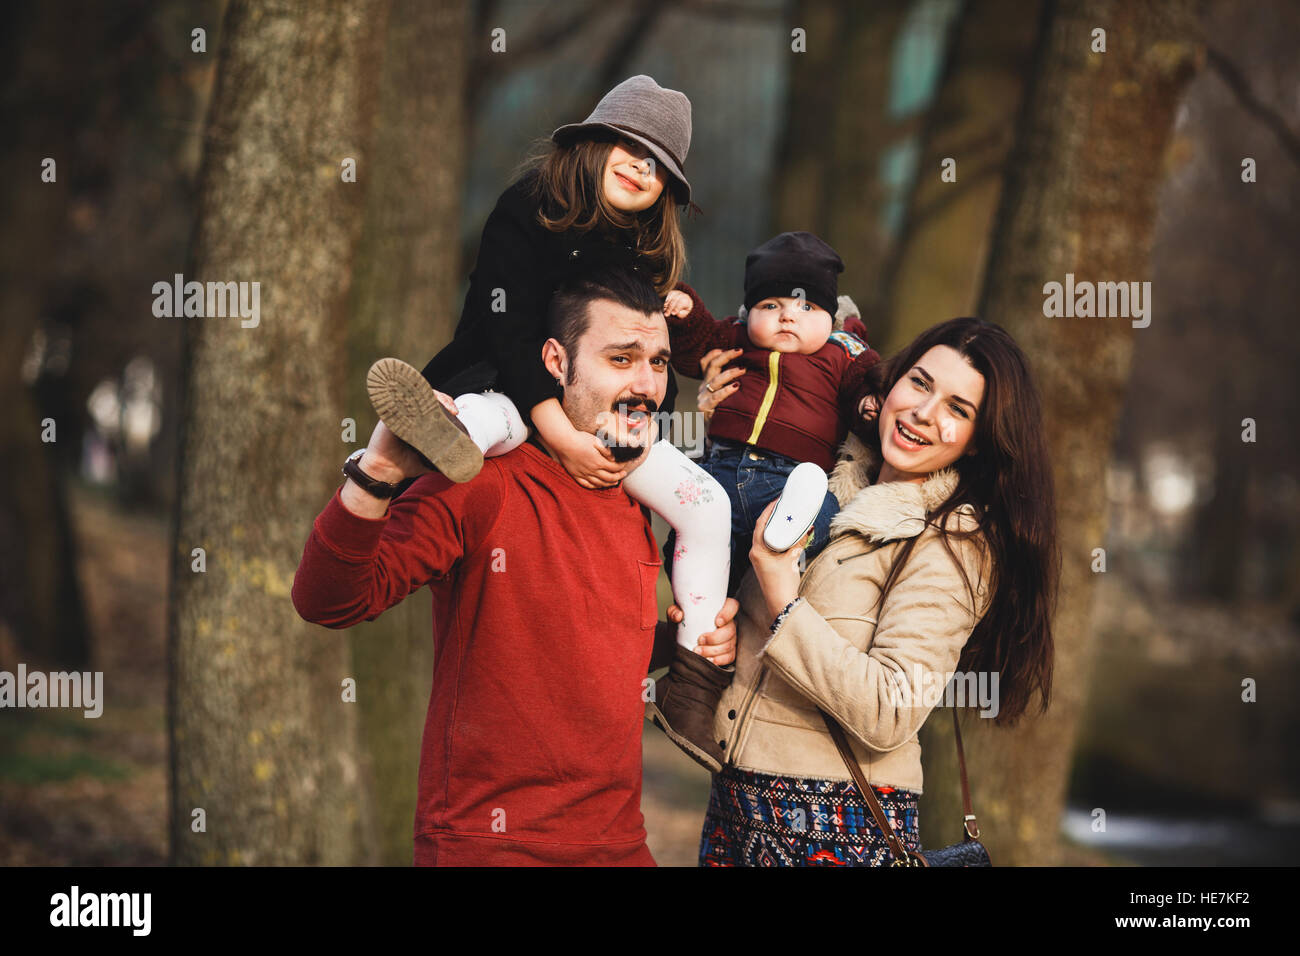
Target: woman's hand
(777, 572)
(718, 385)
(717, 646)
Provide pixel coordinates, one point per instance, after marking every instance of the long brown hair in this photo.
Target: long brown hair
(1008, 479)
(570, 194)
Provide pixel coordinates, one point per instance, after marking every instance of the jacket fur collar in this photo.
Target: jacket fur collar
(887, 512)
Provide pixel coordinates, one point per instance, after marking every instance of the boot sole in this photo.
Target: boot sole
(406, 403)
(707, 761)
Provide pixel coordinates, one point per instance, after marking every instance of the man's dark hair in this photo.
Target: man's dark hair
(569, 314)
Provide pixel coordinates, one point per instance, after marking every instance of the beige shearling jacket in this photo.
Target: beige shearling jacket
(867, 669)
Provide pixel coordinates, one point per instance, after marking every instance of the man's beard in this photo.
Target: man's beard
(629, 452)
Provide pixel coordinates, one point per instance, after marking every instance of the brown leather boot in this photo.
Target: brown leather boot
(405, 402)
(685, 701)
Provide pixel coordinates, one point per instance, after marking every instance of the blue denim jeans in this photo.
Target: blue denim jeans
(754, 478)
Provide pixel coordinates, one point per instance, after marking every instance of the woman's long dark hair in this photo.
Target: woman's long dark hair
(1009, 481)
(571, 195)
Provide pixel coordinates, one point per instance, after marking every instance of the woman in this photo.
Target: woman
(943, 558)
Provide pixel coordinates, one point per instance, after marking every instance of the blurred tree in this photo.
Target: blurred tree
(43, 108)
(404, 304)
(1222, 261)
(1080, 197)
(261, 739)
(935, 269)
(826, 178)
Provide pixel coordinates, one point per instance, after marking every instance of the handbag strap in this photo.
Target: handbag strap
(968, 820)
(902, 856)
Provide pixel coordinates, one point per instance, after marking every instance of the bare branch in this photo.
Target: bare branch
(522, 52)
(1252, 104)
(728, 10)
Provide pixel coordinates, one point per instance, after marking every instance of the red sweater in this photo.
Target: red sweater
(544, 615)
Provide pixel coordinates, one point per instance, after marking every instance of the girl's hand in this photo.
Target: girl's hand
(717, 646)
(678, 303)
(718, 385)
(588, 461)
(777, 572)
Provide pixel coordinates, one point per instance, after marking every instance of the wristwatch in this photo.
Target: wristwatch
(380, 489)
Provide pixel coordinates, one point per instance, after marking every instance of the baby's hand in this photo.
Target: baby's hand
(869, 407)
(678, 303)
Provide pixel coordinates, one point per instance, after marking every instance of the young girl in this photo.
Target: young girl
(609, 187)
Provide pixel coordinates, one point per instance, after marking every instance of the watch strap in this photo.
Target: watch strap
(380, 489)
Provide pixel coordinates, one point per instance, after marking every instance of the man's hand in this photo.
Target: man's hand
(390, 459)
(387, 458)
(717, 646)
(678, 303)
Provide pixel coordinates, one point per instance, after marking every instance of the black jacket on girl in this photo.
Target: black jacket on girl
(520, 264)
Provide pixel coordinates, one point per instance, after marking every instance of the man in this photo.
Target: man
(545, 614)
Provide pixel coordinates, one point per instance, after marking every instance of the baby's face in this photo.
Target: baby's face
(789, 325)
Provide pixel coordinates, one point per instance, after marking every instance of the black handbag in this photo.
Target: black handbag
(969, 852)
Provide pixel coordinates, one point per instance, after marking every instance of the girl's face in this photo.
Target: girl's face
(633, 180)
(928, 419)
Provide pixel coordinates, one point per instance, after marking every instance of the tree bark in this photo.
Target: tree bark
(1080, 197)
(404, 304)
(262, 740)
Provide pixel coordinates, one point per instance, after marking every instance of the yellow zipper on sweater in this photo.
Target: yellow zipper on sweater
(773, 376)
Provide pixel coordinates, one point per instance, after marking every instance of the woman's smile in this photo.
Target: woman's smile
(907, 439)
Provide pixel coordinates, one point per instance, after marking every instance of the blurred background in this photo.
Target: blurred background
(205, 138)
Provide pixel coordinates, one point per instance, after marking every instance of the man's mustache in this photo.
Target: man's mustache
(648, 405)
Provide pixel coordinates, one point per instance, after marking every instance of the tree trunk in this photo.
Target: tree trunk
(262, 740)
(404, 304)
(1080, 197)
(40, 595)
(935, 270)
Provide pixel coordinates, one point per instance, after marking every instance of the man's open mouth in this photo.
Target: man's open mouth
(634, 418)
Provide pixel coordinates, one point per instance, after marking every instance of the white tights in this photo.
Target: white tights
(669, 484)
(698, 509)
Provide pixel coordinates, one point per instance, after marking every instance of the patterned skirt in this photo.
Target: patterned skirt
(757, 819)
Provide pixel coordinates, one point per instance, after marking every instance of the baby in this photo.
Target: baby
(802, 386)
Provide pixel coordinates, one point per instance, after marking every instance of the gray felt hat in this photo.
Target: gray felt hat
(642, 110)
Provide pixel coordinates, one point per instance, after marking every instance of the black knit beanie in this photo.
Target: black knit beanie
(792, 261)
